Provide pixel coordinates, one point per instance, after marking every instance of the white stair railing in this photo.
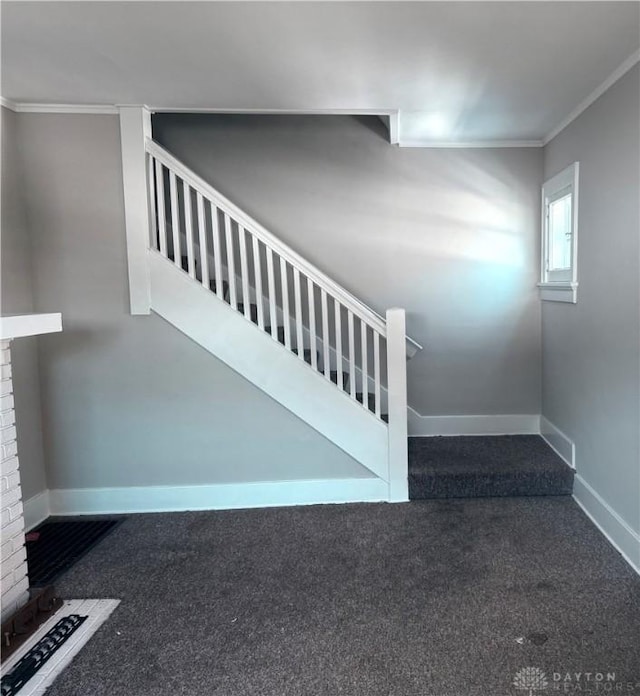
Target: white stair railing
(257, 274)
(272, 285)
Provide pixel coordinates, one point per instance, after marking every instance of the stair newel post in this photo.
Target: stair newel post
(397, 395)
(135, 128)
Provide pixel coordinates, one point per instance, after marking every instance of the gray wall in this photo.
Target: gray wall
(591, 350)
(16, 297)
(450, 235)
(129, 400)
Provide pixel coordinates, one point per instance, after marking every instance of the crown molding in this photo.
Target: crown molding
(272, 112)
(470, 143)
(621, 70)
(32, 108)
(29, 108)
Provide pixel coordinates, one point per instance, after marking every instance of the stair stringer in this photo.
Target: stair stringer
(228, 335)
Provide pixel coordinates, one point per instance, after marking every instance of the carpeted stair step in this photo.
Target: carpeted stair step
(307, 355)
(212, 280)
(253, 311)
(280, 333)
(372, 405)
(345, 379)
(485, 466)
(225, 288)
(371, 399)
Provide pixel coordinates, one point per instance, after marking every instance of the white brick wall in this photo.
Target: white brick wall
(13, 573)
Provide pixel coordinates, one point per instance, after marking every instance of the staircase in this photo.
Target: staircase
(221, 278)
(229, 284)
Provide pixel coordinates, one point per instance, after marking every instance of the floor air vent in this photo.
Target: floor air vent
(96, 611)
(53, 547)
(44, 649)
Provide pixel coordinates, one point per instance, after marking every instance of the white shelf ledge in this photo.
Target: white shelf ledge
(18, 325)
(559, 292)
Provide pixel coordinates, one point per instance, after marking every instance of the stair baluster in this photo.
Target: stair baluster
(284, 281)
(162, 230)
(326, 339)
(271, 287)
(188, 228)
(233, 250)
(202, 241)
(175, 224)
(244, 270)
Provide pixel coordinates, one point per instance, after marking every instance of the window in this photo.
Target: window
(559, 278)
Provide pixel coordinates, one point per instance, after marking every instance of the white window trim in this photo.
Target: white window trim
(565, 290)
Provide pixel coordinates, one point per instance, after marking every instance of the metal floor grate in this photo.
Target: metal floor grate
(29, 665)
(96, 611)
(60, 544)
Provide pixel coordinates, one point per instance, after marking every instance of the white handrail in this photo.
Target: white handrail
(359, 309)
(208, 238)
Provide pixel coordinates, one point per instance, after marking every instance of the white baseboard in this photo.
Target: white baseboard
(617, 531)
(510, 424)
(225, 496)
(36, 510)
(558, 441)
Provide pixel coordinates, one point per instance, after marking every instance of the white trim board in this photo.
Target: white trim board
(394, 128)
(34, 108)
(470, 144)
(135, 128)
(36, 510)
(559, 292)
(19, 325)
(607, 520)
(558, 441)
(222, 496)
(273, 112)
(507, 424)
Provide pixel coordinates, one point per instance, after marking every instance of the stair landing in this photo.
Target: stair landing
(485, 466)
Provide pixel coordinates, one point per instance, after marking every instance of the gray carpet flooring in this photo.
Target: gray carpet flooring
(485, 466)
(428, 598)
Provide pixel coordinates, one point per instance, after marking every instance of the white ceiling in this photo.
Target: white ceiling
(457, 70)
